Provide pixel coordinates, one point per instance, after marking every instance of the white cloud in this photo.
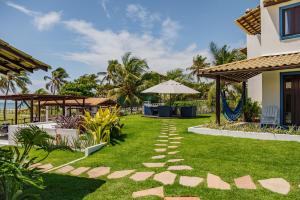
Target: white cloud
(104, 6)
(104, 45)
(138, 13)
(170, 29)
(41, 21)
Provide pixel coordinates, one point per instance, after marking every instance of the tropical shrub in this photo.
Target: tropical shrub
(72, 122)
(15, 172)
(251, 110)
(104, 126)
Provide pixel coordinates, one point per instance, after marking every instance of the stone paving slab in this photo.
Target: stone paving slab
(160, 150)
(173, 134)
(176, 138)
(162, 140)
(216, 182)
(278, 185)
(245, 182)
(190, 181)
(158, 157)
(175, 160)
(98, 171)
(173, 152)
(172, 147)
(175, 142)
(166, 178)
(163, 133)
(120, 174)
(154, 165)
(160, 145)
(141, 176)
(45, 167)
(181, 198)
(65, 169)
(163, 136)
(159, 191)
(79, 170)
(179, 167)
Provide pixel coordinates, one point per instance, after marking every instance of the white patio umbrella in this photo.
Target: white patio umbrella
(170, 87)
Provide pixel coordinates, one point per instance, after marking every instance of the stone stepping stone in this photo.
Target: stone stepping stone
(173, 134)
(120, 174)
(166, 178)
(176, 138)
(163, 136)
(98, 171)
(245, 182)
(175, 160)
(175, 142)
(172, 147)
(190, 181)
(65, 169)
(216, 182)
(278, 185)
(154, 165)
(160, 150)
(181, 198)
(158, 157)
(45, 167)
(34, 165)
(179, 168)
(141, 176)
(159, 191)
(163, 133)
(160, 145)
(162, 140)
(173, 152)
(79, 171)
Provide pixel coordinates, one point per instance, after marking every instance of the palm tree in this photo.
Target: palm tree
(127, 78)
(56, 80)
(11, 83)
(41, 91)
(199, 62)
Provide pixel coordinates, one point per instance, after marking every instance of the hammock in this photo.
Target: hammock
(232, 115)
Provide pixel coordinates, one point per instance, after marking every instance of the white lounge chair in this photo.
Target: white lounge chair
(269, 115)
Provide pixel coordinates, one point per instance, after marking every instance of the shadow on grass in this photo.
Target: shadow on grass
(67, 187)
(118, 140)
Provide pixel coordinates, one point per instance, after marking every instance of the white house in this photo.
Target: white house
(272, 69)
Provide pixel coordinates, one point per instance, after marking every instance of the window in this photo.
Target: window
(290, 21)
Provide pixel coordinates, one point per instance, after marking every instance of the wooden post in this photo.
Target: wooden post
(244, 96)
(64, 108)
(16, 112)
(31, 110)
(83, 106)
(39, 110)
(218, 103)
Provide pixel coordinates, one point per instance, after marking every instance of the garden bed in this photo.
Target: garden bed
(252, 131)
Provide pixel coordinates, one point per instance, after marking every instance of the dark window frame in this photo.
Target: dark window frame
(282, 11)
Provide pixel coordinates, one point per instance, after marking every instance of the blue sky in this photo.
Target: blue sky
(82, 35)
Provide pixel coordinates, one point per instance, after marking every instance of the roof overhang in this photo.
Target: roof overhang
(250, 22)
(13, 60)
(273, 2)
(243, 70)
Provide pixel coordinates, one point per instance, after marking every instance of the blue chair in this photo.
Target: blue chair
(188, 111)
(164, 111)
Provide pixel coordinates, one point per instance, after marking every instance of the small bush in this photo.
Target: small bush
(251, 110)
(72, 122)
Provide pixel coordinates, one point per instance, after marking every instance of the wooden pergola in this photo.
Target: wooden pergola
(30, 100)
(243, 70)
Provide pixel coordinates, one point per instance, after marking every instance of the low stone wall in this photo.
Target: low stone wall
(241, 134)
(68, 134)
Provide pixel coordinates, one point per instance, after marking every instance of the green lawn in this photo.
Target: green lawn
(227, 157)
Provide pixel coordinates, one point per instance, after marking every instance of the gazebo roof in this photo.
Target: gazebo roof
(273, 2)
(245, 69)
(250, 22)
(15, 60)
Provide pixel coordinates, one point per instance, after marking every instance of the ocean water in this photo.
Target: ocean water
(9, 105)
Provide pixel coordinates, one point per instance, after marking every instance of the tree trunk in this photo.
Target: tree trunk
(4, 106)
(131, 109)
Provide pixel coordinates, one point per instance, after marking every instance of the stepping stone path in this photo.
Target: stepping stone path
(161, 145)
(175, 142)
(45, 167)
(141, 176)
(120, 174)
(172, 147)
(99, 171)
(159, 191)
(278, 185)
(166, 178)
(190, 181)
(154, 165)
(174, 160)
(158, 157)
(181, 198)
(162, 140)
(79, 171)
(65, 169)
(179, 168)
(245, 182)
(173, 134)
(160, 150)
(216, 182)
(176, 138)
(173, 152)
